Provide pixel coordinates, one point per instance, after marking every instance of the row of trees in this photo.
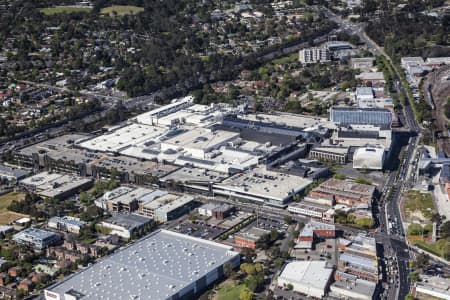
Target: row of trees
(350, 219)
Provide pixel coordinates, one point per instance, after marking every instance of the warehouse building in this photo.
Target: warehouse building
(36, 238)
(163, 265)
(311, 278)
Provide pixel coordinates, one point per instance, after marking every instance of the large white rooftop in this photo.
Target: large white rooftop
(293, 120)
(314, 274)
(130, 135)
(155, 267)
(199, 138)
(266, 184)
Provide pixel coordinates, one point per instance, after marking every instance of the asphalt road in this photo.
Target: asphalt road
(397, 181)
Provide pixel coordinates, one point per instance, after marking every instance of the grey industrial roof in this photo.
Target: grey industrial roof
(359, 261)
(155, 267)
(67, 220)
(364, 91)
(35, 233)
(13, 172)
(128, 221)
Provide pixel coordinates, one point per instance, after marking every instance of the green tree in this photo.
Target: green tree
(362, 180)
(340, 176)
(414, 276)
(415, 229)
(288, 220)
(409, 297)
(245, 294)
(254, 283)
(422, 260)
(364, 222)
(227, 270)
(445, 230)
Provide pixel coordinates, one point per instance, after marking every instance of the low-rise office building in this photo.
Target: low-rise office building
(66, 223)
(372, 78)
(163, 265)
(336, 154)
(216, 210)
(124, 225)
(364, 63)
(174, 209)
(313, 231)
(361, 266)
(361, 244)
(54, 185)
(309, 209)
(36, 238)
(124, 199)
(249, 238)
(437, 61)
(349, 286)
(12, 173)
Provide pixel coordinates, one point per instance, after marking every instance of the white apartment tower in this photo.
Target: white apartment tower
(314, 55)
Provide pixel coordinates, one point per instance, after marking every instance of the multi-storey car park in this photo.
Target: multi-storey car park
(162, 265)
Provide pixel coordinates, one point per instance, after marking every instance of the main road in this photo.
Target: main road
(397, 181)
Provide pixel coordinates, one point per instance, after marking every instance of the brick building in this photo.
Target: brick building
(249, 238)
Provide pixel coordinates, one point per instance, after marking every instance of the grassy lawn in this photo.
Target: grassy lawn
(419, 202)
(7, 217)
(229, 292)
(6, 199)
(430, 247)
(88, 240)
(286, 59)
(64, 9)
(122, 10)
